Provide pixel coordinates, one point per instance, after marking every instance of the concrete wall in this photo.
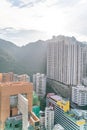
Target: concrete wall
(59, 88)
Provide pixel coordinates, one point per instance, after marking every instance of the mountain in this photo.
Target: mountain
(26, 59)
(33, 56)
(30, 58)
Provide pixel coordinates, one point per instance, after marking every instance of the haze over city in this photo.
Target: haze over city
(24, 21)
(43, 65)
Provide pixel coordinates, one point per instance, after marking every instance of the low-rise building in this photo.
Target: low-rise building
(68, 119)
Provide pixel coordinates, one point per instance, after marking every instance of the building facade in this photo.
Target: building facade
(11, 77)
(6, 77)
(8, 99)
(63, 115)
(24, 78)
(66, 60)
(42, 120)
(39, 81)
(79, 95)
(49, 118)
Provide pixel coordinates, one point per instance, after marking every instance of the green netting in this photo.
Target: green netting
(13, 124)
(36, 110)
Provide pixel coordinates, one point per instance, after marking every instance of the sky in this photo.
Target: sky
(25, 21)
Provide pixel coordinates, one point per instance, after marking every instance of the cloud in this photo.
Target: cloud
(77, 19)
(24, 3)
(16, 2)
(51, 16)
(21, 37)
(67, 3)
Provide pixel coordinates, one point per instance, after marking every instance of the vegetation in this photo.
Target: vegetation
(26, 59)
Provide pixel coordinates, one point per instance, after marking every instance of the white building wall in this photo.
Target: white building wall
(49, 119)
(40, 84)
(65, 60)
(79, 95)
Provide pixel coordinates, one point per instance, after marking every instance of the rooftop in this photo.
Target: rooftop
(58, 98)
(76, 119)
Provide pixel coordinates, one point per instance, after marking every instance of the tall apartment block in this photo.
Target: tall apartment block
(39, 81)
(69, 119)
(24, 78)
(42, 120)
(49, 118)
(6, 77)
(11, 77)
(66, 60)
(79, 95)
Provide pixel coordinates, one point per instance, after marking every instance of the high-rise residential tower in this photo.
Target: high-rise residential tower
(49, 118)
(79, 95)
(66, 60)
(39, 81)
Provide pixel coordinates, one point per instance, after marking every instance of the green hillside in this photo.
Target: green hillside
(26, 59)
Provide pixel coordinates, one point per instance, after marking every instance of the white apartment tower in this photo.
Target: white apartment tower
(65, 60)
(42, 120)
(49, 118)
(79, 95)
(39, 81)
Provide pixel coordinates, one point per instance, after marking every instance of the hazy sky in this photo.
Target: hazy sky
(23, 21)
